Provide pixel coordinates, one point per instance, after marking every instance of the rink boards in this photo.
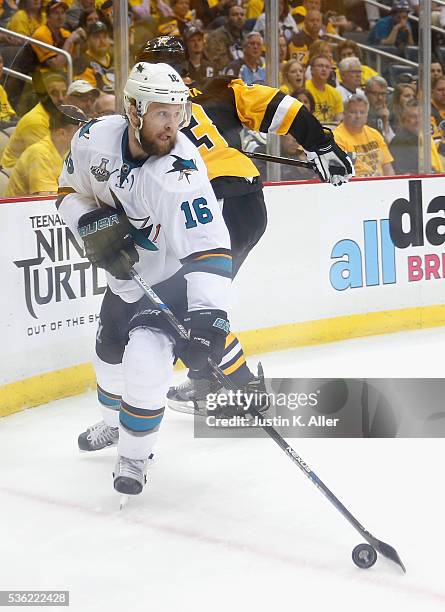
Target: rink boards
(364, 259)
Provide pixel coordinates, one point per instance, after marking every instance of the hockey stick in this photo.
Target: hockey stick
(384, 549)
(281, 160)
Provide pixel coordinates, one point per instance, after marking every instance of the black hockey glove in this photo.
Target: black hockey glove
(208, 331)
(331, 162)
(108, 241)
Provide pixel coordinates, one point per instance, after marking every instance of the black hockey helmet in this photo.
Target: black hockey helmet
(166, 50)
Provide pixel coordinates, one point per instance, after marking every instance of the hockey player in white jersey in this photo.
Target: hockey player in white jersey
(136, 191)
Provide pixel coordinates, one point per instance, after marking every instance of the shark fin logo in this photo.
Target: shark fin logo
(85, 129)
(140, 236)
(184, 166)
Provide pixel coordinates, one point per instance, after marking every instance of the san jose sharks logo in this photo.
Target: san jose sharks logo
(184, 166)
(145, 237)
(85, 129)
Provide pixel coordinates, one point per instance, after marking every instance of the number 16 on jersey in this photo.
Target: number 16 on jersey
(198, 212)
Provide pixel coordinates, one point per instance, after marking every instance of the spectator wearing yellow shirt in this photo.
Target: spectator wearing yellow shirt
(52, 84)
(7, 113)
(38, 169)
(300, 12)
(323, 47)
(437, 107)
(372, 156)
(328, 101)
(331, 20)
(95, 64)
(28, 18)
(34, 125)
(53, 33)
(302, 40)
(254, 9)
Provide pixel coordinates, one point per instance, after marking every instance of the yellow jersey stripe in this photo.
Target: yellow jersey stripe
(289, 117)
(238, 363)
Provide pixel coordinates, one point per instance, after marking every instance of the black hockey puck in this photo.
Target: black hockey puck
(364, 556)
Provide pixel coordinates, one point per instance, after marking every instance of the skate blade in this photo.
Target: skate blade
(186, 407)
(84, 451)
(123, 501)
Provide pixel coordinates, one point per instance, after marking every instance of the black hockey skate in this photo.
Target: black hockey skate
(130, 475)
(191, 396)
(97, 437)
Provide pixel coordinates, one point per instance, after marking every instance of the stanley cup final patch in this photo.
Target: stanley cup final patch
(100, 172)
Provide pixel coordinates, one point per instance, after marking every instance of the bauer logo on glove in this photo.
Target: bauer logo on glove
(98, 225)
(108, 241)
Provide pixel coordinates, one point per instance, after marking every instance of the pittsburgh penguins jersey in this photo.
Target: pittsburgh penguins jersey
(168, 200)
(437, 117)
(226, 105)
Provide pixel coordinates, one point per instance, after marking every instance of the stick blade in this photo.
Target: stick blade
(389, 552)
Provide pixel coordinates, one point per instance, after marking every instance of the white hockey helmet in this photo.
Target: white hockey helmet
(148, 83)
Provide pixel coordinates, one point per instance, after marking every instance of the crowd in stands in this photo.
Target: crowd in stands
(374, 116)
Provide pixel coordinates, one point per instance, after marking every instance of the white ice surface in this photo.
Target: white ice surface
(229, 524)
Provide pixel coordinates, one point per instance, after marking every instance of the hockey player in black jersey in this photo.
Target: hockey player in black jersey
(219, 113)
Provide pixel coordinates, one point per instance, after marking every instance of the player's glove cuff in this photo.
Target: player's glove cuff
(330, 162)
(208, 331)
(212, 320)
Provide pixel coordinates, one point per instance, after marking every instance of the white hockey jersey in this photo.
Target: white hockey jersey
(169, 201)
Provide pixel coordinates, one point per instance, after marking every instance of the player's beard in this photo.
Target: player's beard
(157, 147)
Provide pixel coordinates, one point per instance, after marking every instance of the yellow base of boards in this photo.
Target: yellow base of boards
(77, 379)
